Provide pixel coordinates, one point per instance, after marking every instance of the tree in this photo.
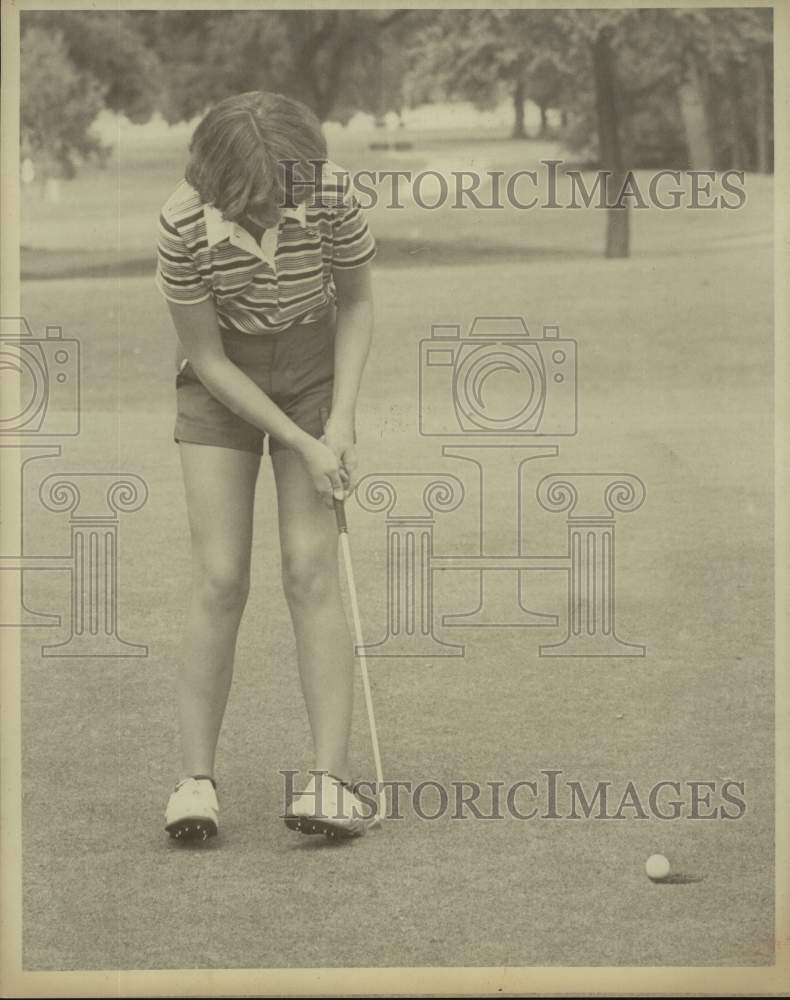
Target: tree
(653, 59)
(194, 50)
(474, 54)
(108, 47)
(58, 105)
(323, 45)
(310, 55)
(738, 51)
(711, 70)
(374, 79)
(610, 141)
(483, 56)
(73, 65)
(594, 39)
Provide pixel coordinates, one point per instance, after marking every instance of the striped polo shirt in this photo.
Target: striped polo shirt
(266, 287)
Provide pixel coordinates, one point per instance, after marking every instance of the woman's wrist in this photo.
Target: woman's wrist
(301, 442)
(342, 413)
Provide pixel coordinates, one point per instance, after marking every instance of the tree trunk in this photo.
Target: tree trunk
(321, 63)
(610, 146)
(376, 68)
(519, 129)
(739, 140)
(762, 118)
(544, 120)
(692, 98)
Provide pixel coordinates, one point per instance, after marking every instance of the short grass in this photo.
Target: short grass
(675, 360)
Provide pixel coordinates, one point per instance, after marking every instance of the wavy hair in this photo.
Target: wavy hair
(238, 150)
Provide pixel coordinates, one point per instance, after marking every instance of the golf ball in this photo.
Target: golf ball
(657, 867)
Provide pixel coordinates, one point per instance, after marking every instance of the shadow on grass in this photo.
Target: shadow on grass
(679, 878)
(408, 252)
(196, 846)
(41, 265)
(318, 842)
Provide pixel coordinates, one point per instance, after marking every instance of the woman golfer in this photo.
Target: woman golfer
(264, 259)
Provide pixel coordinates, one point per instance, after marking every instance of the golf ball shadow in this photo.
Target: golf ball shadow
(678, 878)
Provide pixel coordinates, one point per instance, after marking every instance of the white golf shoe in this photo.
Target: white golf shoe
(193, 811)
(330, 806)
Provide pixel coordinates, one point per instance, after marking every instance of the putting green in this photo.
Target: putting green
(675, 363)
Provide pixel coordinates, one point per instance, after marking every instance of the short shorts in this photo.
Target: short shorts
(295, 368)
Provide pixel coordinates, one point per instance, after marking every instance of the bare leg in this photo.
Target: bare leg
(219, 484)
(308, 539)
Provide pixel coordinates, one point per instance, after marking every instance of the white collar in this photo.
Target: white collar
(218, 228)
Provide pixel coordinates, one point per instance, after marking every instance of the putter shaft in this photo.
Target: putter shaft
(342, 527)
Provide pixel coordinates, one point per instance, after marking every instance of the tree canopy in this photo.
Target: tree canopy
(665, 87)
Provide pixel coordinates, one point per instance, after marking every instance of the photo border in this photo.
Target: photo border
(421, 981)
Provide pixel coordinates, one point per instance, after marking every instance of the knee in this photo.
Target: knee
(223, 587)
(309, 578)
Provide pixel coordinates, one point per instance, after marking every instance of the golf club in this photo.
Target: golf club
(342, 527)
(345, 546)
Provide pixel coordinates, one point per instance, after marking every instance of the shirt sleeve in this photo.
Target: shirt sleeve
(352, 241)
(177, 277)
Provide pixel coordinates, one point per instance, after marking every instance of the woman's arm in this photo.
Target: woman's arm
(199, 333)
(352, 344)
